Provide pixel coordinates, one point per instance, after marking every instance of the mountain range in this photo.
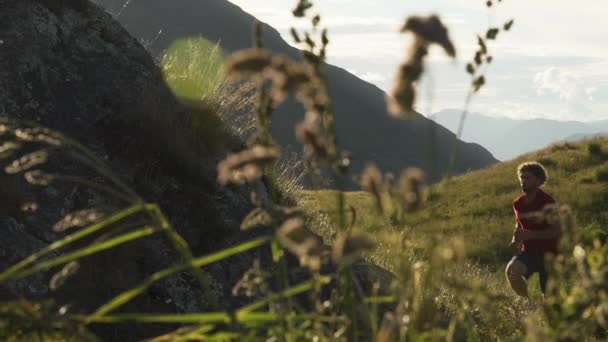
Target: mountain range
(363, 126)
(508, 138)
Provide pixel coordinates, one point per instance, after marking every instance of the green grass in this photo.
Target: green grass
(477, 205)
(325, 201)
(193, 68)
(476, 208)
(218, 110)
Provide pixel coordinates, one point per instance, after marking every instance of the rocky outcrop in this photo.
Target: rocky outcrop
(69, 66)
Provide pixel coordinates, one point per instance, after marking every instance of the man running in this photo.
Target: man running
(538, 237)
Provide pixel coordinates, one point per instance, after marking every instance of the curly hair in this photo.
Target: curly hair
(535, 168)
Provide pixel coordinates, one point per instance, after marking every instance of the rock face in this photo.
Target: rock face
(69, 66)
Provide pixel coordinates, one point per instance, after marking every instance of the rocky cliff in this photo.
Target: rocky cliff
(69, 66)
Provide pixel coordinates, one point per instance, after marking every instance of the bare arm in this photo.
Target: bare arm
(515, 239)
(515, 244)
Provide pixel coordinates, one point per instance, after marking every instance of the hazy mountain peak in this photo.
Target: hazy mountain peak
(507, 138)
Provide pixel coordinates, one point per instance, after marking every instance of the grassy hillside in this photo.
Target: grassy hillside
(477, 205)
(475, 208)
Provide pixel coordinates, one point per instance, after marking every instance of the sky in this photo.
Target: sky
(552, 64)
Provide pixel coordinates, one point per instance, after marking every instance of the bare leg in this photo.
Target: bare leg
(515, 275)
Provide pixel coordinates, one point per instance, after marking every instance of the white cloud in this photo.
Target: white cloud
(370, 76)
(373, 77)
(532, 110)
(589, 91)
(373, 46)
(566, 35)
(362, 20)
(510, 109)
(570, 87)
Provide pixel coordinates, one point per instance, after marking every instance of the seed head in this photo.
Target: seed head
(350, 245)
(79, 218)
(246, 166)
(430, 29)
(248, 62)
(257, 217)
(309, 250)
(371, 181)
(316, 146)
(411, 187)
(39, 134)
(27, 161)
(60, 277)
(38, 177)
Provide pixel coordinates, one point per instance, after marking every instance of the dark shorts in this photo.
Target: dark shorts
(535, 263)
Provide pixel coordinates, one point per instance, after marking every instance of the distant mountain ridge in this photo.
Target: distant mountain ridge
(363, 126)
(581, 136)
(507, 138)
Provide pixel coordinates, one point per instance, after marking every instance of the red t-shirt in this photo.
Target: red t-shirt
(534, 246)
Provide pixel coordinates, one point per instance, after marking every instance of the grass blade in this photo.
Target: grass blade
(9, 273)
(206, 318)
(380, 299)
(96, 248)
(202, 318)
(248, 317)
(185, 334)
(290, 292)
(126, 296)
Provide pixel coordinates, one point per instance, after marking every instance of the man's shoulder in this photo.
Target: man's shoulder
(547, 198)
(519, 198)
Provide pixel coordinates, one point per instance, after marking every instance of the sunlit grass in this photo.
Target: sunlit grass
(476, 207)
(193, 68)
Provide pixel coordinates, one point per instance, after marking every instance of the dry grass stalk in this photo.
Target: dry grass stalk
(247, 63)
(349, 246)
(284, 75)
(253, 282)
(293, 236)
(431, 30)
(39, 134)
(371, 181)
(27, 161)
(411, 188)
(427, 31)
(38, 177)
(317, 148)
(8, 147)
(246, 166)
(79, 218)
(62, 276)
(257, 217)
